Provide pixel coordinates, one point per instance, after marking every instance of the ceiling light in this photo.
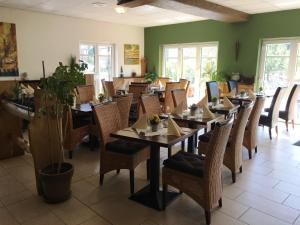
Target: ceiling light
(287, 3)
(120, 9)
(99, 4)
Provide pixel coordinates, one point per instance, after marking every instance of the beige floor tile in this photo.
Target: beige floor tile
(254, 217)
(16, 197)
(293, 201)
(6, 218)
(265, 181)
(289, 188)
(9, 185)
(72, 212)
(219, 218)
(233, 208)
(122, 211)
(290, 178)
(47, 219)
(13, 162)
(266, 192)
(96, 220)
(28, 209)
(232, 191)
(148, 222)
(24, 174)
(279, 211)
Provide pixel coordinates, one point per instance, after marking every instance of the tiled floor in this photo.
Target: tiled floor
(267, 193)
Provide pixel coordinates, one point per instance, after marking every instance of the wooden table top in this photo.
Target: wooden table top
(224, 110)
(161, 140)
(194, 119)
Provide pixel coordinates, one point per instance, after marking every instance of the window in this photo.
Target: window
(100, 60)
(193, 62)
(280, 66)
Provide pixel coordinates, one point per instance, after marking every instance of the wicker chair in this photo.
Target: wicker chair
(150, 104)
(270, 117)
(76, 129)
(184, 84)
(289, 112)
(85, 93)
(137, 91)
(124, 105)
(109, 89)
(250, 135)
(212, 89)
(233, 153)
(163, 81)
(197, 176)
(117, 154)
(168, 104)
(179, 96)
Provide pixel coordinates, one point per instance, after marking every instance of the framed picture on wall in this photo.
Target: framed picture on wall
(131, 54)
(8, 50)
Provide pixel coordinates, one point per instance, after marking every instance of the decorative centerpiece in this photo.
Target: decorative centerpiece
(101, 97)
(193, 108)
(243, 93)
(214, 100)
(154, 122)
(150, 77)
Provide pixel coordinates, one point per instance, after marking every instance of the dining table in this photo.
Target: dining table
(196, 121)
(221, 109)
(151, 195)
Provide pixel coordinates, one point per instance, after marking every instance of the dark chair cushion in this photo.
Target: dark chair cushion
(81, 119)
(125, 147)
(187, 163)
(264, 120)
(283, 115)
(205, 137)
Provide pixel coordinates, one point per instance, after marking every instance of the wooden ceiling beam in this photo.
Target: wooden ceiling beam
(201, 8)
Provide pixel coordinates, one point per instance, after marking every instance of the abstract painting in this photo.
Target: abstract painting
(8, 50)
(131, 54)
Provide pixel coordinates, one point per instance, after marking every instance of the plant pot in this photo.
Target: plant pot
(56, 186)
(154, 127)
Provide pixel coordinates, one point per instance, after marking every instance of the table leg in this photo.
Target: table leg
(191, 144)
(151, 195)
(196, 139)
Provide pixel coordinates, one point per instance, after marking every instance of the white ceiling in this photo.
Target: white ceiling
(144, 16)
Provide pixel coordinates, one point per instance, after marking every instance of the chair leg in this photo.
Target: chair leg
(233, 175)
(250, 154)
(70, 154)
(241, 169)
(182, 145)
(131, 181)
(270, 133)
(169, 152)
(256, 149)
(276, 130)
(101, 179)
(208, 217)
(164, 197)
(148, 169)
(118, 171)
(220, 203)
(293, 124)
(287, 125)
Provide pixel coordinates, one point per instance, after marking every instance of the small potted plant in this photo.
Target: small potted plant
(261, 91)
(193, 108)
(101, 97)
(154, 122)
(214, 100)
(150, 77)
(243, 93)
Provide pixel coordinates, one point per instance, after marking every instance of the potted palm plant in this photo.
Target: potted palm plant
(56, 99)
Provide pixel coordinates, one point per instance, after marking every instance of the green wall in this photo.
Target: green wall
(249, 34)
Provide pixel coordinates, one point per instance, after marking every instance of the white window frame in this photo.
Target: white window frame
(293, 57)
(113, 57)
(198, 47)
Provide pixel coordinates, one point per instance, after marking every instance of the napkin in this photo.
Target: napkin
(142, 123)
(173, 128)
(27, 91)
(95, 100)
(232, 93)
(30, 89)
(227, 103)
(207, 113)
(251, 95)
(178, 110)
(203, 102)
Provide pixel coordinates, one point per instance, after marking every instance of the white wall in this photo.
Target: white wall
(54, 38)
